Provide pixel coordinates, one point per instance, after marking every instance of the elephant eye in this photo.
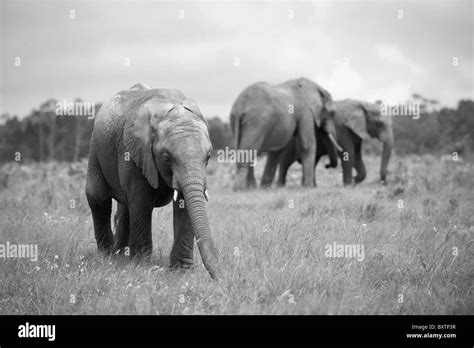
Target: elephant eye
(166, 157)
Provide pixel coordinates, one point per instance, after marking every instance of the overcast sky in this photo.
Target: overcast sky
(356, 49)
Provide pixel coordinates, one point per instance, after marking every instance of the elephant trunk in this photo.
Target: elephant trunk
(193, 186)
(387, 140)
(333, 147)
(328, 146)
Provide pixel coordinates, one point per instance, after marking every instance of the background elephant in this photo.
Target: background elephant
(355, 121)
(266, 117)
(292, 151)
(150, 146)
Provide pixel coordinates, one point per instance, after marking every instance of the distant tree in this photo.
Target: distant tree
(457, 127)
(48, 114)
(42, 135)
(38, 121)
(418, 135)
(220, 133)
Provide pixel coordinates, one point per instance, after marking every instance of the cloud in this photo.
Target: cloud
(394, 55)
(344, 81)
(85, 57)
(398, 91)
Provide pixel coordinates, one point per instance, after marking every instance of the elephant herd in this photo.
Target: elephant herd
(298, 121)
(151, 146)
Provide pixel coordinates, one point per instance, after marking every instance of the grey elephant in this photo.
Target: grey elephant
(265, 117)
(355, 121)
(149, 147)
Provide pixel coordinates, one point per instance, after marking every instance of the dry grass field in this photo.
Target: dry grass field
(417, 233)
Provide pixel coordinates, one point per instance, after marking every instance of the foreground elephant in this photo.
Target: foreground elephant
(150, 146)
(355, 121)
(265, 118)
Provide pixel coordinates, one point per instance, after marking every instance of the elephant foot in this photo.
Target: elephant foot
(182, 264)
(141, 254)
(313, 185)
(105, 249)
(105, 252)
(105, 244)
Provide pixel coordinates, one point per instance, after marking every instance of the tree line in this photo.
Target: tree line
(44, 136)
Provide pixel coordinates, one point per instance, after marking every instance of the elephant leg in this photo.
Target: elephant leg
(316, 161)
(273, 159)
(241, 174)
(122, 232)
(101, 206)
(282, 173)
(140, 241)
(347, 161)
(286, 161)
(245, 178)
(183, 246)
(251, 182)
(307, 143)
(359, 164)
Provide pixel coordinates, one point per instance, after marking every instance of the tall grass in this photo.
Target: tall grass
(417, 234)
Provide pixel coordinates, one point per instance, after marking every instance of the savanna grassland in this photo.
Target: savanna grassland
(417, 233)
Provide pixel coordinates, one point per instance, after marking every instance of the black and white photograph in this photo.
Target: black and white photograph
(283, 159)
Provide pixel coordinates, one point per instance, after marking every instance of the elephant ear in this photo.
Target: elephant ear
(353, 115)
(325, 95)
(374, 120)
(372, 111)
(314, 96)
(139, 136)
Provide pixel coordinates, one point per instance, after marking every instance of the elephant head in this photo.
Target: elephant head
(365, 120)
(168, 139)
